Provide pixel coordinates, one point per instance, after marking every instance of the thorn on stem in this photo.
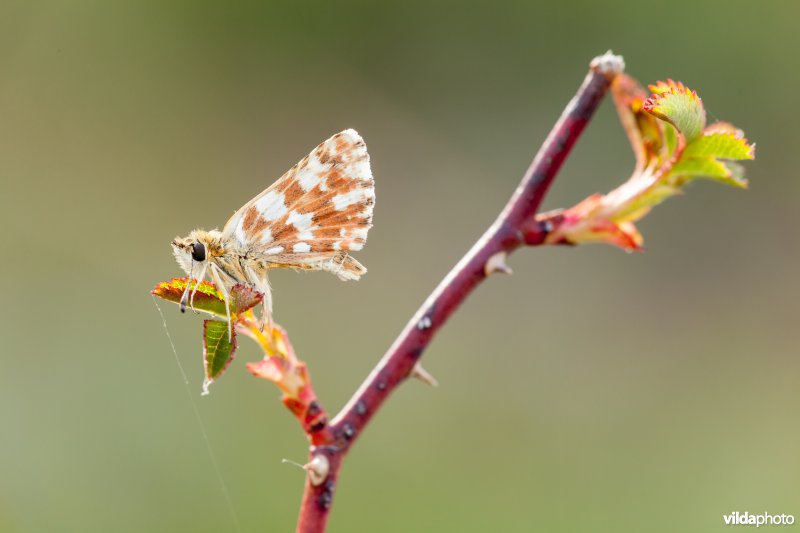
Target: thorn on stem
(318, 469)
(423, 375)
(497, 263)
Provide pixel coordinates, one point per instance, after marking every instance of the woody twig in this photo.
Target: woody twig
(516, 226)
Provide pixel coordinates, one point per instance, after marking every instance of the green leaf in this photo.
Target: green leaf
(218, 349)
(720, 145)
(680, 106)
(207, 298)
(708, 167)
(737, 172)
(671, 135)
(701, 166)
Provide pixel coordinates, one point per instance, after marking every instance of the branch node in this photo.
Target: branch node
(497, 263)
(318, 469)
(423, 375)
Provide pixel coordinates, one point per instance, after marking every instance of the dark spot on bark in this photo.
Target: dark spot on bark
(361, 408)
(381, 385)
(326, 497)
(318, 425)
(348, 431)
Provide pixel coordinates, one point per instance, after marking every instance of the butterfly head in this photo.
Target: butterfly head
(193, 251)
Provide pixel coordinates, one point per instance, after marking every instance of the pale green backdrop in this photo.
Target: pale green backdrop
(592, 391)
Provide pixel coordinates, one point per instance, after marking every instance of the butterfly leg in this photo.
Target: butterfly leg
(266, 305)
(185, 295)
(199, 280)
(261, 283)
(257, 278)
(221, 286)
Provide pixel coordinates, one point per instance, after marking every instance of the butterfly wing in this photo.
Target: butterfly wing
(315, 213)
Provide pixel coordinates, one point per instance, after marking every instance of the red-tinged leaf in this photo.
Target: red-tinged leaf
(680, 106)
(621, 234)
(645, 132)
(243, 298)
(282, 367)
(288, 376)
(218, 350)
(208, 298)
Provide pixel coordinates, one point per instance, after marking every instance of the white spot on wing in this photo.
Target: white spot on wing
(272, 205)
(301, 247)
(312, 175)
(341, 201)
(359, 233)
(275, 250)
(303, 224)
(361, 170)
(266, 236)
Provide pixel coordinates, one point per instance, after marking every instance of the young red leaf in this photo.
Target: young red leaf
(647, 134)
(281, 366)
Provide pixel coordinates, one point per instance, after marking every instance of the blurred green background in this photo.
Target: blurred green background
(592, 391)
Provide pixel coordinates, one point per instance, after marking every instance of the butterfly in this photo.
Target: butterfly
(309, 219)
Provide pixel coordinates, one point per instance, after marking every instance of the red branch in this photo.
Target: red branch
(516, 226)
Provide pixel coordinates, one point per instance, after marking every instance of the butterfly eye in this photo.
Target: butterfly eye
(198, 252)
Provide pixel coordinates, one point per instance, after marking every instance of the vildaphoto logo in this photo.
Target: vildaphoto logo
(746, 519)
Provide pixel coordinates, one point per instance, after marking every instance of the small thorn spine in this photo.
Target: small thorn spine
(497, 263)
(318, 469)
(424, 376)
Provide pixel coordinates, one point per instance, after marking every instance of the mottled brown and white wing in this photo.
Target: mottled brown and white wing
(315, 213)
